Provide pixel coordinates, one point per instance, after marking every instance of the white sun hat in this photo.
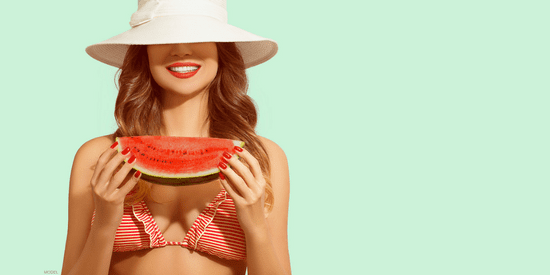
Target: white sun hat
(182, 21)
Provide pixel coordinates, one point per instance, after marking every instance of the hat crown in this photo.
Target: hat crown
(149, 9)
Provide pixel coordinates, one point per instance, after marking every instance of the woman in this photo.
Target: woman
(182, 73)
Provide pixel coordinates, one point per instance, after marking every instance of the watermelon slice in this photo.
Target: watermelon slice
(177, 161)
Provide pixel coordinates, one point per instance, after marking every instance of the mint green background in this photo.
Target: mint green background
(416, 131)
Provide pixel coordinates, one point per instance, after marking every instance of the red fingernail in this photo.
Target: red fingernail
(226, 155)
(222, 166)
(114, 145)
(224, 160)
(239, 149)
(137, 174)
(132, 159)
(126, 151)
(222, 176)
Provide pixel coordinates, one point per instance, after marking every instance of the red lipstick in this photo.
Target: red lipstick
(181, 64)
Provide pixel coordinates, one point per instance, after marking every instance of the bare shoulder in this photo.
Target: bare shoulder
(85, 161)
(279, 166)
(93, 148)
(83, 168)
(274, 151)
(84, 164)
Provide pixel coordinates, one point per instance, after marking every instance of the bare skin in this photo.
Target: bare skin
(94, 185)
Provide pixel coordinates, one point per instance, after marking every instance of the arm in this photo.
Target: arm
(88, 249)
(266, 238)
(268, 247)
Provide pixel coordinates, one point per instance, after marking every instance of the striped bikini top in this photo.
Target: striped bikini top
(216, 230)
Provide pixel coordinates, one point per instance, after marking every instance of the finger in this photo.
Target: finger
(232, 193)
(235, 181)
(130, 183)
(251, 161)
(253, 168)
(240, 169)
(102, 161)
(121, 174)
(113, 164)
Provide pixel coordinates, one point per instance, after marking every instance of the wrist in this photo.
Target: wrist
(258, 232)
(104, 229)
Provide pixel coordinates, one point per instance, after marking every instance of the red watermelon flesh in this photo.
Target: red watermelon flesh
(177, 160)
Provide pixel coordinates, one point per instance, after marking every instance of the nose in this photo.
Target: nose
(181, 49)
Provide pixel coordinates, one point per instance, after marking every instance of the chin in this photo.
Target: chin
(186, 92)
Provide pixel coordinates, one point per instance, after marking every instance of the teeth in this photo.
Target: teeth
(184, 69)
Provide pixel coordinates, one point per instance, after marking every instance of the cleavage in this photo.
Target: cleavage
(179, 206)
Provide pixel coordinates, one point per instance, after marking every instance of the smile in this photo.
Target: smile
(183, 70)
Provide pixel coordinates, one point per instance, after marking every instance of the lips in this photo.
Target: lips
(183, 69)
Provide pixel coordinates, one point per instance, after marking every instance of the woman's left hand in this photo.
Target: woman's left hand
(247, 189)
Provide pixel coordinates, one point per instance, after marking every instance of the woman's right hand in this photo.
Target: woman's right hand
(107, 193)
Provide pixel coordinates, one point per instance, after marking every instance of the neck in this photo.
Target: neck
(185, 116)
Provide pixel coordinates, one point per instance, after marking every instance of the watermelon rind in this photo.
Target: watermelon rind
(182, 179)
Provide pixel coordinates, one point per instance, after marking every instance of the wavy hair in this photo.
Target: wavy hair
(231, 112)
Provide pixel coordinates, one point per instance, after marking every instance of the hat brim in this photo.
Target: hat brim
(184, 29)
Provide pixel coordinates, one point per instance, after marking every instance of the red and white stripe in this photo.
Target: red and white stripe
(216, 230)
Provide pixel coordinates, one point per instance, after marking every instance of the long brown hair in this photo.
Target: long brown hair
(231, 112)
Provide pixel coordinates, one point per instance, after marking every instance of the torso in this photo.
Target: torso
(175, 213)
